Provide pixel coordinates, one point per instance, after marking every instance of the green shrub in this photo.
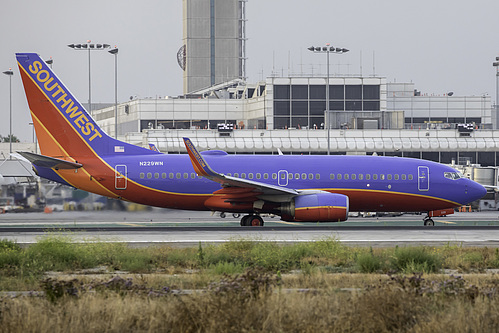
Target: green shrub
(415, 259)
(8, 245)
(368, 263)
(226, 268)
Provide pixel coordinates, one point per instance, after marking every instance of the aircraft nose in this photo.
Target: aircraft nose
(475, 191)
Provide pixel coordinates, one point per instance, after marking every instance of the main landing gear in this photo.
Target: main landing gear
(252, 221)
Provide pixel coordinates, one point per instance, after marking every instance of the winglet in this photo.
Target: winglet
(153, 147)
(200, 166)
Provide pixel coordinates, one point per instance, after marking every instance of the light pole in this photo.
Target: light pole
(115, 52)
(327, 49)
(10, 73)
(496, 65)
(89, 47)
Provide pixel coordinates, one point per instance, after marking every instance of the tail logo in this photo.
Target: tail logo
(55, 91)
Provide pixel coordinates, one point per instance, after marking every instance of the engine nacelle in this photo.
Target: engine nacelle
(317, 207)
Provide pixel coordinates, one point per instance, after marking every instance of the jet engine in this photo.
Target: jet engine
(317, 207)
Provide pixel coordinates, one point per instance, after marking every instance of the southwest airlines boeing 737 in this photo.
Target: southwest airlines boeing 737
(76, 152)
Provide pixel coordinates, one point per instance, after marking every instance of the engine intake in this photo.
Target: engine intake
(317, 207)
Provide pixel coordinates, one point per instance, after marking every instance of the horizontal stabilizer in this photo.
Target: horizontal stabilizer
(49, 162)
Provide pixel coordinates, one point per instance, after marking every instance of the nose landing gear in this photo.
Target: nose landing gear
(252, 221)
(436, 213)
(428, 222)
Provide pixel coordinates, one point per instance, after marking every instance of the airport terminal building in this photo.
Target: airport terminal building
(366, 115)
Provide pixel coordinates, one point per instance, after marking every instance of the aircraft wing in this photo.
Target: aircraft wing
(236, 186)
(49, 162)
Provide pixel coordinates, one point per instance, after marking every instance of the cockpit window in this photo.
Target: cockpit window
(453, 175)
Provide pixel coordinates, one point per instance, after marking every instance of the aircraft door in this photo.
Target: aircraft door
(120, 172)
(423, 178)
(282, 178)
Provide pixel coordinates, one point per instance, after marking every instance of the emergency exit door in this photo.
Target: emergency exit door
(120, 177)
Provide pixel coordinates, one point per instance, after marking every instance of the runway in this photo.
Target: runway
(176, 228)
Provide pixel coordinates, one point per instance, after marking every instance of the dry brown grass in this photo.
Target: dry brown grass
(388, 305)
(381, 311)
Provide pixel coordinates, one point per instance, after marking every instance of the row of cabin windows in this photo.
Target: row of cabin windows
(368, 176)
(274, 175)
(178, 175)
(243, 175)
(291, 176)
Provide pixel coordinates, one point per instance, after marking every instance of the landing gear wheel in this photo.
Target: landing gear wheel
(429, 222)
(251, 221)
(256, 221)
(236, 215)
(222, 215)
(244, 220)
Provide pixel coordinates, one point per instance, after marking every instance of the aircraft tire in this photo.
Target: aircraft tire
(429, 222)
(236, 215)
(244, 220)
(251, 221)
(255, 221)
(222, 215)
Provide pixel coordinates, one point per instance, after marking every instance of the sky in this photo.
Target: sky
(440, 45)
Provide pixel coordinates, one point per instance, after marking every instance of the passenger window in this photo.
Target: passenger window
(236, 175)
(142, 175)
(283, 175)
(229, 174)
(331, 176)
(338, 176)
(304, 176)
(178, 175)
(274, 176)
(186, 175)
(368, 176)
(375, 177)
(163, 175)
(297, 176)
(317, 176)
(250, 175)
(382, 176)
(290, 176)
(156, 175)
(149, 175)
(170, 175)
(243, 175)
(389, 177)
(265, 176)
(396, 177)
(361, 176)
(193, 175)
(346, 176)
(310, 176)
(354, 176)
(258, 176)
(410, 177)
(404, 177)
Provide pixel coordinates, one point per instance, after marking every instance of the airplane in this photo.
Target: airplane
(75, 151)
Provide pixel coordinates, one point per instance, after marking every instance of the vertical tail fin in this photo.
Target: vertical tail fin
(63, 127)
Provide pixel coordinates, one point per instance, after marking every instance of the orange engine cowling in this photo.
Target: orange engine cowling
(317, 207)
